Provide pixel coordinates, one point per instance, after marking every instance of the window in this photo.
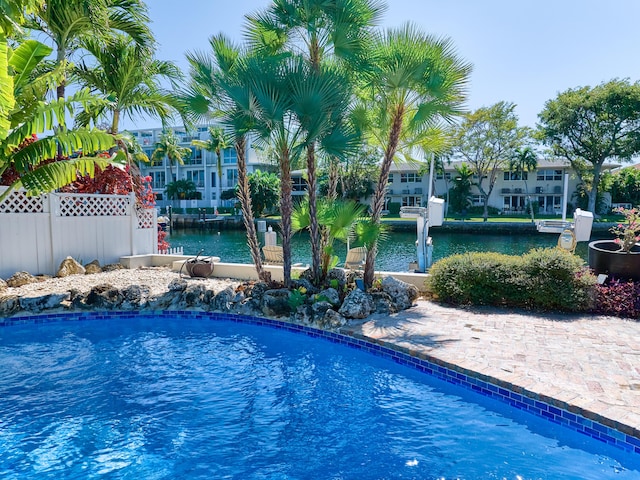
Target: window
(390, 178)
(477, 200)
(214, 176)
(158, 179)
(232, 177)
(411, 201)
(195, 158)
(298, 184)
(443, 176)
(196, 176)
(515, 176)
(229, 156)
(549, 175)
(409, 178)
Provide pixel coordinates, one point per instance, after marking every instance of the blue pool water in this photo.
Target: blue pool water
(188, 398)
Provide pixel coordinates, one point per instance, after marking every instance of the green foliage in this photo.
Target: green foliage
(394, 208)
(460, 192)
(625, 186)
(486, 140)
(297, 298)
(589, 125)
(265, 191)
(182, 189)
(543, 279)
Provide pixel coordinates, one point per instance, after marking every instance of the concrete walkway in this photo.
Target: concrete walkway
(591, 363)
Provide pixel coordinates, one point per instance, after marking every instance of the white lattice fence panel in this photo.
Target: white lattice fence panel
(18, 202)
(146, 217)
(72, 205)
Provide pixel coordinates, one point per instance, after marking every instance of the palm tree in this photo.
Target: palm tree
(24, 112)
(217, 142)
(169, 146)
(321, 31)
(68, 23)
(524, 161)
(220, 87)
(129, 78)
(415, 81)
(461, 190)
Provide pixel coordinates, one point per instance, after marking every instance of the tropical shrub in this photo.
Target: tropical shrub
(543, 279)
(621, 299)
(394, 208)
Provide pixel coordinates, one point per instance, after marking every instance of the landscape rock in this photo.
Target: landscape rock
(104, 296)
(319, 309)
(338, 277)
(357, 304)
(403, 295)
(222, 300)
(383, 302)
(45, 302)
(3, 285)
(9, 305)
(134, 297)
(332, 320)
(177, 285)
(69, 266)
(275, 303)
(191, 296)
(19, 279)
(92, 268)
(330, 295)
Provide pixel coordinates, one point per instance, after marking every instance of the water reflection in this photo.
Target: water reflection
(394, 255)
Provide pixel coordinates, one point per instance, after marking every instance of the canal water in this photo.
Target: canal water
(394, 254)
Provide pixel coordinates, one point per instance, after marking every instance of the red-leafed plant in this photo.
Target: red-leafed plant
(621, 299)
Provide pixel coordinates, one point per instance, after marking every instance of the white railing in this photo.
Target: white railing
(172, 251)
(37, 233)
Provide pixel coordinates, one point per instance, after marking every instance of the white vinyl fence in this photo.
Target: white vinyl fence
(37, 233)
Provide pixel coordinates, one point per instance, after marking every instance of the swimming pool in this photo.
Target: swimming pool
(180, 396)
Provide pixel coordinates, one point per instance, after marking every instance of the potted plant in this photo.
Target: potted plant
(619, 258)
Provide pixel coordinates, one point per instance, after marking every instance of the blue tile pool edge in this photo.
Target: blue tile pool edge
(559, 412)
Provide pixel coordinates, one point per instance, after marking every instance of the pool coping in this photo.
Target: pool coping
(581, 420)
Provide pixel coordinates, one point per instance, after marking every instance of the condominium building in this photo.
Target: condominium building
(200, 167)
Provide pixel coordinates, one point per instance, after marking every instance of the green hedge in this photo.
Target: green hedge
(543, 279)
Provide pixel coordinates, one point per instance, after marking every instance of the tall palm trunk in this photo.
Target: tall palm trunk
(219, 184)
(332, 195)
(377, 203)
(314, 229)
(286, 209)
(247, 211)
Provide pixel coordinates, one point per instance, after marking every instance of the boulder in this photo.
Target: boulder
(383, 302)
(337, 278)
(191, 296)
(222, 300)
(177, 285)
(318, 309)
(275, 303)
(44, 302)
(304, 283)
(93, 267)
(69, 266)
(3, 285)
(330, 295)
(104, 296)
(9, 305)
(357, 304)
(135, 297)
(303, 315)
(332, 320)
(403, 295)
(19, 279)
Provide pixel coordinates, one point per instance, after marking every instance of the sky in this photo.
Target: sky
(522, 51)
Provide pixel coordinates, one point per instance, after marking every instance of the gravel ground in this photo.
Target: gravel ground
(156, 278)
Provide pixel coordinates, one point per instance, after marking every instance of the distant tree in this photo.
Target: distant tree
(460, 192)
(169, 146)
(624, 186)
(181, 189)
(524, 161)
(588, 126)
(486, 140)
(356, 174)
(216, 143)
(265, 191)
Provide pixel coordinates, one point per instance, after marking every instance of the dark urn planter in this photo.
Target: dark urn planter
(606, 257)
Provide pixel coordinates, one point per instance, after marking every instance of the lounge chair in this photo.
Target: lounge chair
(273, 254)
(356, 258)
